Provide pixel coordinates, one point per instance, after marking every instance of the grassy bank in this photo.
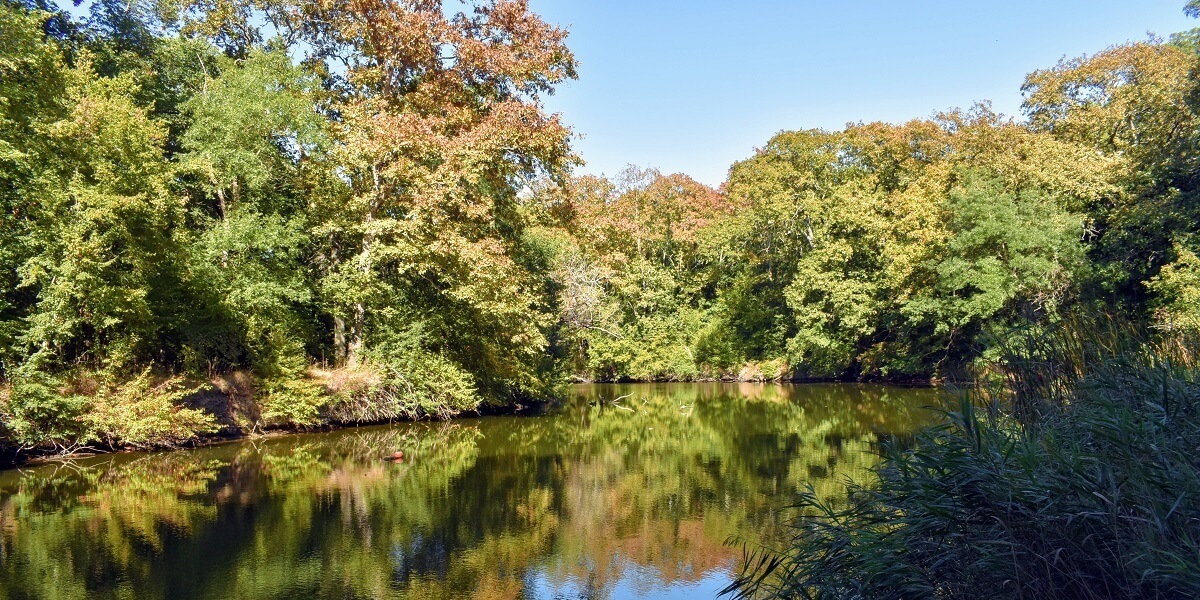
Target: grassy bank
(1072, 472)
(100, 412)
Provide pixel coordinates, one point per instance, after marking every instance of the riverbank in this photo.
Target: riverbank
(230, 400)
(238, 406)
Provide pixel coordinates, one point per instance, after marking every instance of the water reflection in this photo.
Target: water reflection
(628, 491)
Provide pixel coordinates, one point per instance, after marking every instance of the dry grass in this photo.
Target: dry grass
(350, 380)
(770, 370)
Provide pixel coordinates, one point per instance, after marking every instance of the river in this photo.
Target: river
(626, 491)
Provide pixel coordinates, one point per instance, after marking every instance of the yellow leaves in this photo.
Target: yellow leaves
(850, 222)
(113, 141)
(1025, 158)
(896, 153)
(146, 413)
(1130, 99)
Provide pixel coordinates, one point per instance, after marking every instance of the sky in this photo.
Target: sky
(691, 86)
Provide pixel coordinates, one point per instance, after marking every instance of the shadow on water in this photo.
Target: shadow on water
(626, 491)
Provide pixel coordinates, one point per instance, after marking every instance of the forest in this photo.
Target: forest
(224, 216)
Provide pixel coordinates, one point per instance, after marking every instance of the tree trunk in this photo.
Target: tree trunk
(354, 344)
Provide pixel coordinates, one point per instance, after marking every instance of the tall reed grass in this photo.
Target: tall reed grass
(1071, 471)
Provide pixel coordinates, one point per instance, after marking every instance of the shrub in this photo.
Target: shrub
(145, 414)
(42, 415)
(291, 401)
(47, 412)
(407, 385)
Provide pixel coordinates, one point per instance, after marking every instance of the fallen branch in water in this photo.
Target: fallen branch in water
(616, 400)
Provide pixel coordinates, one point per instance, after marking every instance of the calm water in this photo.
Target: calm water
(591, 501)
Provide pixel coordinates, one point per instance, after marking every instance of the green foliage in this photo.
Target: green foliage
(94, 409)
(1134, 103)
(291, 402)
(656, 347)
(42, 414)
(252, 264)
(193, 185)
(144, 414)
(885, 250)
(196, 198)
(101, 230)
(248, 128)
(835, 302)
(1013, 258)
(405, 381)
(420, 384)
(32, 76)
(1177, 292)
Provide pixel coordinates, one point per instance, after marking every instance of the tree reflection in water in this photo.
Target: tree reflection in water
(597, 499)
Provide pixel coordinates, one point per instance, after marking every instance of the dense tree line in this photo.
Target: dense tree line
(904, 251)
(193, 189)
(359, 211)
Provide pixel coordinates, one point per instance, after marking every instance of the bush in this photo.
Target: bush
(144, 414)
(1096, 494)
(407, 385)
(655, 347)
(42, 415)
(292, 401)
(46, 412)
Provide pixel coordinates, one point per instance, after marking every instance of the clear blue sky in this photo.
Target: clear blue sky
(693, 85)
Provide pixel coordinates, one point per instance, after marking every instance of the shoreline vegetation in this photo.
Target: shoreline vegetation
(228, 401)
(287, 517)
(1070, 474)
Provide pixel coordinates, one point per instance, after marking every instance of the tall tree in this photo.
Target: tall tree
(1136, 104)
(253, 133)
(101, 229)
(32, 77)
(442, 125)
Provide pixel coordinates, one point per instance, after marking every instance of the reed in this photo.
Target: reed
(1073, 472)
